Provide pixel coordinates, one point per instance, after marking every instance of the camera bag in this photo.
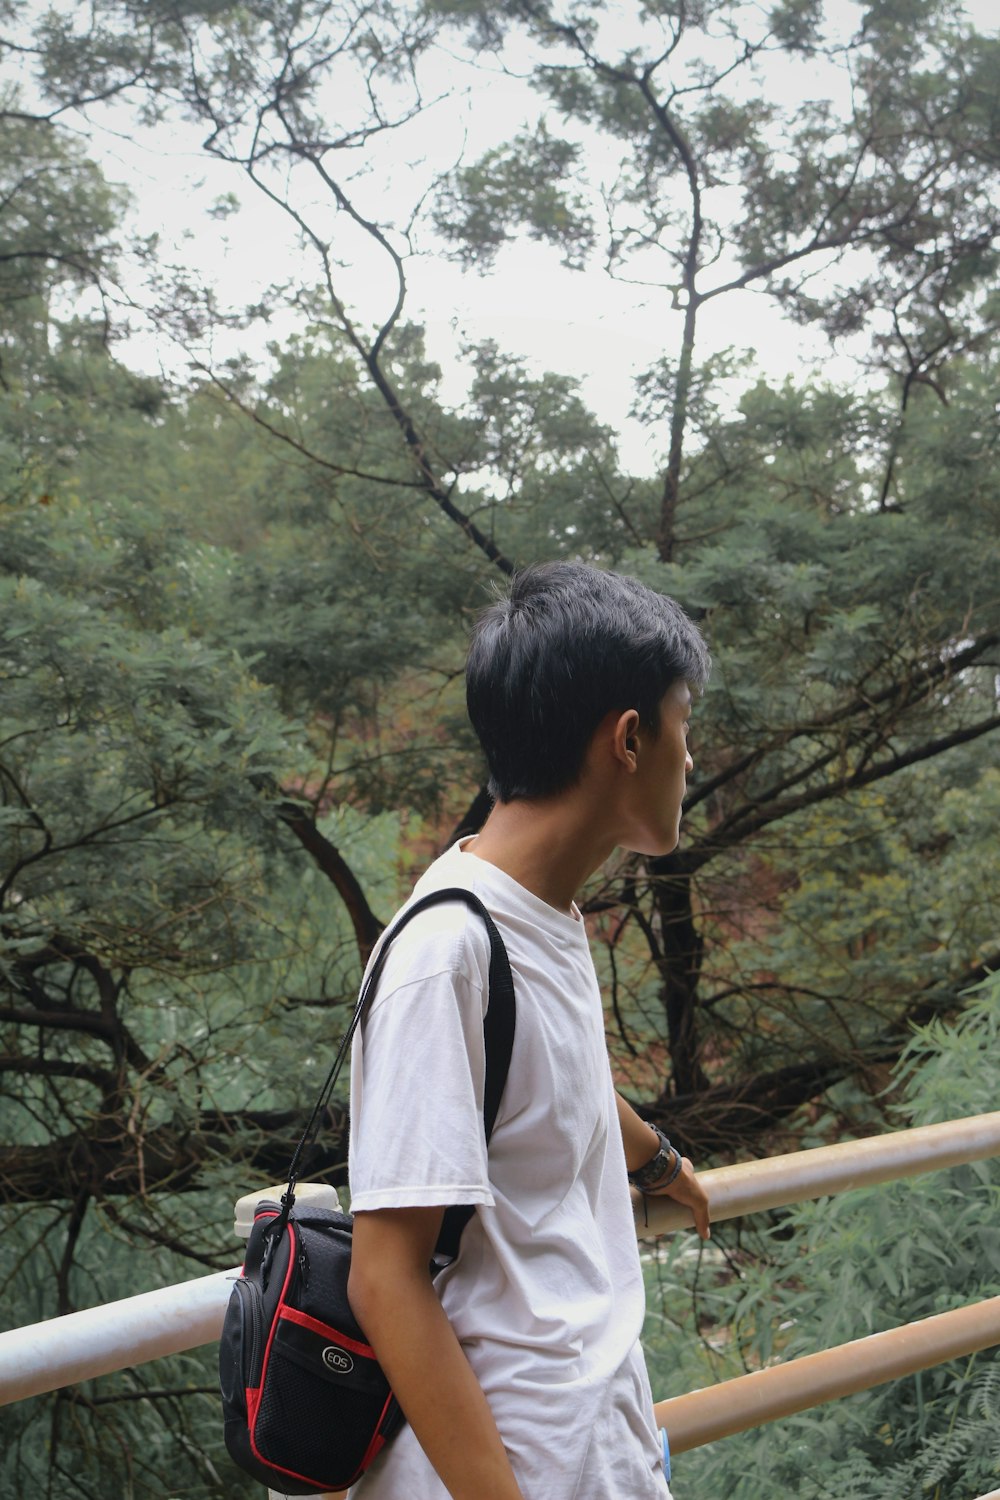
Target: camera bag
(306, 1405)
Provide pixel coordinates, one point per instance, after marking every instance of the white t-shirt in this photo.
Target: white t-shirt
(546, 1294)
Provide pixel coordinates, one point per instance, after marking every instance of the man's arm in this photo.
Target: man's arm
(393, 1298)
(641, 1144)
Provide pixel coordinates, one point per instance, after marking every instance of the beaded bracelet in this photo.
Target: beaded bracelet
(648, 1178)
(668, 1177)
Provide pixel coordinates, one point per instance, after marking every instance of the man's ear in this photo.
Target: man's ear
(624, 739)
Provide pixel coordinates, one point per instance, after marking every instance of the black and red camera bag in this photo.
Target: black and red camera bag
(305, 1403)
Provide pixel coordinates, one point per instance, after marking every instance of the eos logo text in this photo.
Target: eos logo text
(336, 1360)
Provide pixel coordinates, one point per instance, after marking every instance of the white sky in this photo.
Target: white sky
(576, 322)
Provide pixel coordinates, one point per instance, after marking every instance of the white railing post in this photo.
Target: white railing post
(118, 1335)
(313, 1194)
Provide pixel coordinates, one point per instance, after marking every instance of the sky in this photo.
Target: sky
(577, 322)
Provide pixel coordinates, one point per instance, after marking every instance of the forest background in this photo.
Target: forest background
(235, 596)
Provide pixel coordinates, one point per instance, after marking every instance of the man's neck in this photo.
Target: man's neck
(550, 847)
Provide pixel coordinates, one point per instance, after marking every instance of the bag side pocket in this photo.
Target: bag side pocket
(240, 1346)
(318, 1396)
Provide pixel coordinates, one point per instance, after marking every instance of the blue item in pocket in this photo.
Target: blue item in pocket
(665, 1441)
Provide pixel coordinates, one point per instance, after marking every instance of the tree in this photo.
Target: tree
(56, 234)
(235, 611)
(712, 187)
(852, 613)
(169, 967)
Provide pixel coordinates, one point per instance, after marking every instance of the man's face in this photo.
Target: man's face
(660, 781)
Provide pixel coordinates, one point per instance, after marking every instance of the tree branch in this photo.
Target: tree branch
(171, 1159)
(369, 354)
(760, 815)
(906, 691)
(367, 927)
(51, 1067)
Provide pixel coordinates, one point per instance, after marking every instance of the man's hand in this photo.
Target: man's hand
(687, 1189)
(641, 1142)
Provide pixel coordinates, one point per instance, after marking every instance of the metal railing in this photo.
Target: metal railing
(747, 1401)
(117, 1335)
(732, 1406)
(777, 1181)
(83, 1345)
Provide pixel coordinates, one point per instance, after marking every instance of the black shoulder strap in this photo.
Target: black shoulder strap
(498, 1035)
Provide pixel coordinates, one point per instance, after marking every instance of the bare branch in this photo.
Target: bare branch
(299, 818)
(760, 815)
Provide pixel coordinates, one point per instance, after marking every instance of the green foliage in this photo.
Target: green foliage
(812, 596)
(517, 188)
(58, 230)
(839, 1269)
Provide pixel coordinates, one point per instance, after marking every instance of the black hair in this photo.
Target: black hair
(568, 644)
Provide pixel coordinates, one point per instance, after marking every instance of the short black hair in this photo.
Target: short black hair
(565, 646)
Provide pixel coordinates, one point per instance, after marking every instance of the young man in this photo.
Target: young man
(519, 1367)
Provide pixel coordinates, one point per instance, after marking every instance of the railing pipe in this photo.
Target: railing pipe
(718, 1411)
(81, 1345)
(777, 1181)
(115, 1335)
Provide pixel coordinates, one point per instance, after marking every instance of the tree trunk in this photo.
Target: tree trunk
(679, 963)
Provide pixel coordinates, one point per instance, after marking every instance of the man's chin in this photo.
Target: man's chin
(653, 848)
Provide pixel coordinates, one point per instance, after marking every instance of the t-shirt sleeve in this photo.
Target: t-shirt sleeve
(417, 1076)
